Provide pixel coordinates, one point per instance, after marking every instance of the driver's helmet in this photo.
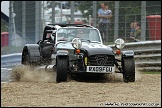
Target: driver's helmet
(82, 33)
(52, 37)
(79, 33)
(60, 35)
(48, 35)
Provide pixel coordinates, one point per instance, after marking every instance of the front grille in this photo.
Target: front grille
(101, 60)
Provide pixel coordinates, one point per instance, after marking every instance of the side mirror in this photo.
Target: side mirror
(54, 34)
(39, 42)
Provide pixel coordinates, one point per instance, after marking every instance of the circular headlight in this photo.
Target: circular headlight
(76, 43)
(119, 43)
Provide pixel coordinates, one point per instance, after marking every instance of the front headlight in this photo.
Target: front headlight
(119, 43)
(76, 43)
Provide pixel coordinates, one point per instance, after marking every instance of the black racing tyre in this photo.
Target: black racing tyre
(61, 69)
(26, 59)
(128, 66)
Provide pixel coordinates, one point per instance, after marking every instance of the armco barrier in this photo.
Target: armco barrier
(11, 60)
(147, 56)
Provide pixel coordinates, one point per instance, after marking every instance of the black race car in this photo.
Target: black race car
(76, 49)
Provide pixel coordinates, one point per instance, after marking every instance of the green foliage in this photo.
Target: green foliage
(85, 5)
(150, 72)
(129, 11)
(153, 7)
(3, 27)
(88, 7)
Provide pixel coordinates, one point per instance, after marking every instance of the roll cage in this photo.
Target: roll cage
(50, 27)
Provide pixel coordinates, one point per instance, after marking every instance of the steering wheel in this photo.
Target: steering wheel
(62, 39)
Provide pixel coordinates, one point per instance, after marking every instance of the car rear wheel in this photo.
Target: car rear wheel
(61, 69)
(128, 66)
(27, 59)
(27, 62)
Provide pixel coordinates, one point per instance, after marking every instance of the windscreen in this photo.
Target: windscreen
(67, 34)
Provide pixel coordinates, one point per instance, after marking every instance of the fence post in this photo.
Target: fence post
(116, 21)
(143, 21)
(94, 13)
(61, 13)
(53, 12)
(125, 32)
(89, 20)
(38, 21)
(10, 38)
(72, 12)
(43, 16)
(14, 24)
(23, 22)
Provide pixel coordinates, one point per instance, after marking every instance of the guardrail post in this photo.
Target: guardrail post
(72, 12)
(53, 12)
(94, 13)
(116, 22)
(23, 22)
(37, 20)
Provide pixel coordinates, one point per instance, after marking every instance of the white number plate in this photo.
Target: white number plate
(101, 69)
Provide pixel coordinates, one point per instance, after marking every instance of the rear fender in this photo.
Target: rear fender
(62, 53)
(126, 54)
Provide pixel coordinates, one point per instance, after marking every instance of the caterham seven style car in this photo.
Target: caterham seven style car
(76, 49)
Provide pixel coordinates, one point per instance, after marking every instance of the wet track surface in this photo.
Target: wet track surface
(5, 74)
(8, 62)
(37, 88)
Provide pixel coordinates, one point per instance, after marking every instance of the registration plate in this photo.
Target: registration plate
(101, 69)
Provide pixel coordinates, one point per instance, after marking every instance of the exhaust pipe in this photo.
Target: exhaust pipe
(49, 68)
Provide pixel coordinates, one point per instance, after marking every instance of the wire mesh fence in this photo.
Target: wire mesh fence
(32, 16)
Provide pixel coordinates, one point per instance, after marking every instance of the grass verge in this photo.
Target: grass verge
(151, 72)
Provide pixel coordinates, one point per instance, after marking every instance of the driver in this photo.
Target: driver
(60, 36)
(81, 33)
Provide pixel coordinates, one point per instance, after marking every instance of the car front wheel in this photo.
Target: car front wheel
(61, 69)
(128, 66)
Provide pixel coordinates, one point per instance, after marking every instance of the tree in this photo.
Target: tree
(153, 7)
(3, 27)
(129, 11)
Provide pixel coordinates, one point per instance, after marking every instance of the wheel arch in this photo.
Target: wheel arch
(128, 53)
(24, 52)
(33, 51)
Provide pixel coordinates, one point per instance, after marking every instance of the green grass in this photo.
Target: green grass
(151, 72)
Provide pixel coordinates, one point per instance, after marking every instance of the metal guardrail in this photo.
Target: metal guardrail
(11, 60)
(147, 56)
(141, 45)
